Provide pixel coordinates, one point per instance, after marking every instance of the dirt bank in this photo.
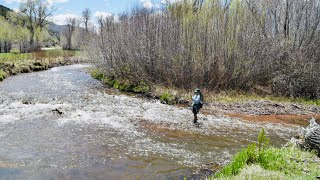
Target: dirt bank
(266, 111)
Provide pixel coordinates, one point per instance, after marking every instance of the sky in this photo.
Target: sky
(73, 8)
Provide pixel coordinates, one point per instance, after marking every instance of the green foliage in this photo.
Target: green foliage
(272, 159)
(142, 87)
(116, 84)
(263, 140)
(127, 86)
(6, 30)
(245, 156)
(15, 62)
(97, 74)
(14, 56)
(3, 75)
(168, 98)
(237, 163)
(124, 85)
(249, 155)
(288, 161)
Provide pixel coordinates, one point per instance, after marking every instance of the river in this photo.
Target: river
(63, 124)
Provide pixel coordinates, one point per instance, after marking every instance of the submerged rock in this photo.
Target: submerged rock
(57, 111)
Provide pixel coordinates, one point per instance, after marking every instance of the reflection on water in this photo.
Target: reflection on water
(105, 135)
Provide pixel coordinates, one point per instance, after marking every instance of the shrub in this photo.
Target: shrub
(290, 162)
(3, 75)
(142, 87)
(246, 156)
(167, 98)
(97, 74)
(247, 49)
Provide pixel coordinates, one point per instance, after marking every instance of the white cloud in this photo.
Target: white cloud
(16, 10)
(147, 4)
(61, 19)
(102, 14)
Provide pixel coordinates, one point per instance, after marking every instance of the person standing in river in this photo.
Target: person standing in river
(197, 103)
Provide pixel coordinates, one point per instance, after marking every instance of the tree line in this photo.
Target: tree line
(11, 34)
(28, 30)
(219, 45)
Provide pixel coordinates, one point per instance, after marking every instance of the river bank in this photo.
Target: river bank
(63, 123)
(295, 112)
(249, 107)
(16, 63)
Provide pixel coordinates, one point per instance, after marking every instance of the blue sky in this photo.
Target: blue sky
(73, 8)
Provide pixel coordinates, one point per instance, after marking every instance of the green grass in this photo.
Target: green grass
(15, 62)
(3, 75)
(233, 97)
(14, 56)
(46, 54)
(278, 163)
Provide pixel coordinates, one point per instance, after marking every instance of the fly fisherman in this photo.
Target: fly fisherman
(197, 102)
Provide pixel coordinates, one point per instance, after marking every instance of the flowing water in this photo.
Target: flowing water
(63, 124)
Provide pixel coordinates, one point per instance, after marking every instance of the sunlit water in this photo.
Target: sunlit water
(105, 135)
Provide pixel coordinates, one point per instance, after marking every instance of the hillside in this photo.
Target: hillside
(4, 10)
(57, 29)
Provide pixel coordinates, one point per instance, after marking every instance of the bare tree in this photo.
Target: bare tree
(69, 32)
(224, 45)
(37, 13)
(86, 17)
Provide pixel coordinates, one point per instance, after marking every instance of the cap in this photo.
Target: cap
(197, 90)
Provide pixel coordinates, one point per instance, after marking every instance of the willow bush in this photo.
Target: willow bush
(231, 45)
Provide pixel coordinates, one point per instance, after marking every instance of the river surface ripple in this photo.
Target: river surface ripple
(105, 135)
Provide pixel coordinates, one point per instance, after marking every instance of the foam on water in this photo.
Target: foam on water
(95, 127)
(14, 111)
(5, 119)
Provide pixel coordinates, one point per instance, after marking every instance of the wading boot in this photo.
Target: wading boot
(195, 119)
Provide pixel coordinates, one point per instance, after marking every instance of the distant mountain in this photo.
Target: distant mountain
(4, 10)
(56, 28)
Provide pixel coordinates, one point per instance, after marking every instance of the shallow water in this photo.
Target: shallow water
(102, 134)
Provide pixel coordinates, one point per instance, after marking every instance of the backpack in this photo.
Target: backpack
(202, 99)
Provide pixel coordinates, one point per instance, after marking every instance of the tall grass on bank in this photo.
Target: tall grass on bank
(257, 161)
(47, 54)
(15, 62)
(234, 45)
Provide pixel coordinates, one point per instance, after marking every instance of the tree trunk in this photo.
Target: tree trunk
(286, 21)
(31, 42)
